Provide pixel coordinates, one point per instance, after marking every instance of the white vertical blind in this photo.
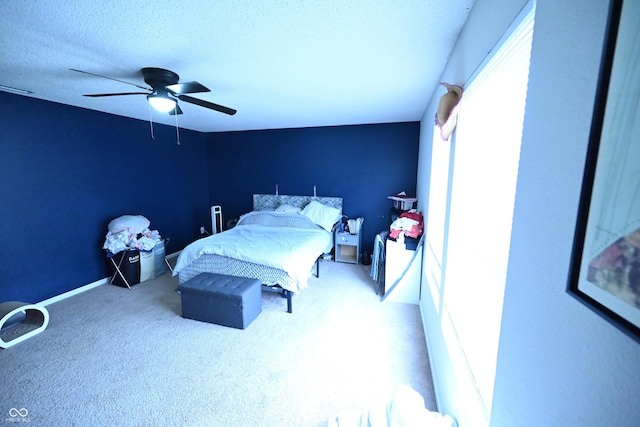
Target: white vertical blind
(482, 194)
(436, 215)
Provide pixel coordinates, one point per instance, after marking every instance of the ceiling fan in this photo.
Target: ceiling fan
(165, 91)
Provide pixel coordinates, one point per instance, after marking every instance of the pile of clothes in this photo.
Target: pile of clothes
(409, 224)
(130, 232)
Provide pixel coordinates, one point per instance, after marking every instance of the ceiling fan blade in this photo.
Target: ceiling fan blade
(110, 78)
(187, 87)
(97, 95)
(207, 104)
(176, 111)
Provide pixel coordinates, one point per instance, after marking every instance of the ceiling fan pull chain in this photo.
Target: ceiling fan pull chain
(177, 130)
(151, 121)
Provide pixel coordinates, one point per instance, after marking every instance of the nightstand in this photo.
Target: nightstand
(347, 247)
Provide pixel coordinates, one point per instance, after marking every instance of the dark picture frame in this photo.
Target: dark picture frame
(605, 264)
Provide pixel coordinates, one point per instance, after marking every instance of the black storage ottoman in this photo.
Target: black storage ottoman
(220, 299)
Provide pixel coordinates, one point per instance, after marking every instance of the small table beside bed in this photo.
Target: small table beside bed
(278, 243)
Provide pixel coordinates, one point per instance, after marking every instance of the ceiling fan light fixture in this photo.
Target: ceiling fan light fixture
(161, 102)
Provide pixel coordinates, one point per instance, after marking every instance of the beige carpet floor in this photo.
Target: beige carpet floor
(117, 357)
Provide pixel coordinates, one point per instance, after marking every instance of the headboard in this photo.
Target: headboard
(272, 201)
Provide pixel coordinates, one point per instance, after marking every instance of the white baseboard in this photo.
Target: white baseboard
(85, 288)
(75, 291)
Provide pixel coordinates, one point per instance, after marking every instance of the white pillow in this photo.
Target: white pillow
(133, 223)
(324, 216)
(288, 208)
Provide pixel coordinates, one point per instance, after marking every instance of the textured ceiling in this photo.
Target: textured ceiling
(281, 64)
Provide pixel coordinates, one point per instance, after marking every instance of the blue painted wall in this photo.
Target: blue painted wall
(65, 172)
(362, 164)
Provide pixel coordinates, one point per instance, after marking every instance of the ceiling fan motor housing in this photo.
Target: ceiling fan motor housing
(159, 77)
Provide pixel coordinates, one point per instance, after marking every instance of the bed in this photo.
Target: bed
(278, 242)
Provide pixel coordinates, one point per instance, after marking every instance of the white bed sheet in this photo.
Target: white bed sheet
(289, 242)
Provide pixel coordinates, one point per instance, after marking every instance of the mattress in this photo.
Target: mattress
(276, 248)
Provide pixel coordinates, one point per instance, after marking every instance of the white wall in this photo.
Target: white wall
(559, 364)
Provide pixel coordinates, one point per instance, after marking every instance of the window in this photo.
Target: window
(474, 251)
(436, 215)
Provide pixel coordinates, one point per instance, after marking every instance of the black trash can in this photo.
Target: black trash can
(366, 258)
